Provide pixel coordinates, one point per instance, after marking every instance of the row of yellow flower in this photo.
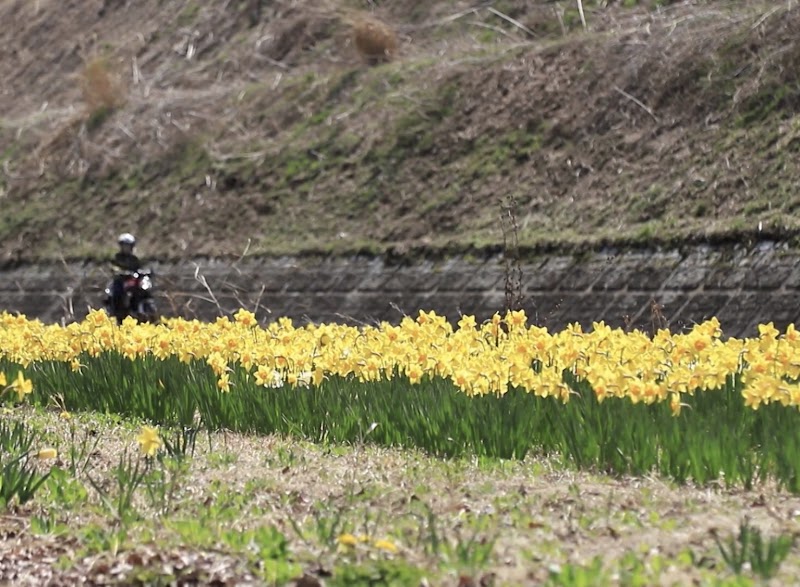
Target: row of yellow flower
(479, 358)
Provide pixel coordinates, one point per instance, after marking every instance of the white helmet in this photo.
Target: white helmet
(126, 238)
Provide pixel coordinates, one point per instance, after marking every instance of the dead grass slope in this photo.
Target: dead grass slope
(260, 122)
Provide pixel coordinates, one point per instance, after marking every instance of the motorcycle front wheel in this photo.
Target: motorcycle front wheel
(147, 311)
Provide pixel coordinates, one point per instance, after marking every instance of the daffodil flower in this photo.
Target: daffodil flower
(149, 440)
(22, 386)
(385, 545)
(47, 453)
(347, 540)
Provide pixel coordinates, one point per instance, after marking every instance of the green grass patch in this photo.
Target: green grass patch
(715, 436)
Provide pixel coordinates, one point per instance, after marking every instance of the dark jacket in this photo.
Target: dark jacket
(126, 263)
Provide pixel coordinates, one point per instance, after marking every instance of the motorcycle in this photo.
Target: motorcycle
(137, 298)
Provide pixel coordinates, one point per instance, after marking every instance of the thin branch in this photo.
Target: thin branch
(636, 101)
(516, 23)
(491, 27)
(258, 305)
(202, 280)
(766, 15)
(583, 16)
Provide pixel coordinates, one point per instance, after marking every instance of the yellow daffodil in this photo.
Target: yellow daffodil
(47, 453)
(22, 386)
(502, 353)
(149, 441)
(347, 540)
(385, 545)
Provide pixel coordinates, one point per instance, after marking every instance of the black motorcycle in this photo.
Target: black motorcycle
(137, 298)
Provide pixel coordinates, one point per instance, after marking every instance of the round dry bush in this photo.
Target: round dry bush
(374, 40)
(100, 87)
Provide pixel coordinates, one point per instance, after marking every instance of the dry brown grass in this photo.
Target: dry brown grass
(374, 40)
(102, 91)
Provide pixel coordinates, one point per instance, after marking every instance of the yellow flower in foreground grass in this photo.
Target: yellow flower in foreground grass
(148, 440)
(47, 453)
(347, 540)
(3, 381)
(385, 545)
(65, 415)
(22, 386)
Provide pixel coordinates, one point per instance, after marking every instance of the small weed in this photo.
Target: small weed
(327, 526)
(180, 444)
(129, 474)
(578, 575)
(193, 531)
(162, 483)
(81, 449)
(65, 491)
(19, 478)
(749, 546)
(384, 573)
(47, 525)
(470, 552)
(98, 539)
(222, 459)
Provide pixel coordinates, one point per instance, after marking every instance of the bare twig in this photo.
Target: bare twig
(560, 21)
(636, 101)
(126, 131)
(443, 21)
(583, 16)
(399, 310)
(204, 282)
(766, 15)
(513, 21)
(513, 268)
(457, 15)
(257, 304)
(657, 319)
(271, 61)
(496, 29)
(137, 74)
(244, 253)
(349, 318)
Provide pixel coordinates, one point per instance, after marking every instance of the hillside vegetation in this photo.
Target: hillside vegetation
(224, 126)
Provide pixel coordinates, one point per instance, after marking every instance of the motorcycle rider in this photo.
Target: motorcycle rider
(124, 263)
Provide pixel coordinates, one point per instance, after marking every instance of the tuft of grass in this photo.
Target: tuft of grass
(374, 40)
(749, 546)
(19, 477)
(101, 90)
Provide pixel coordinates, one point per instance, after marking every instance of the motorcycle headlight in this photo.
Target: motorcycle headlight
(146, 284)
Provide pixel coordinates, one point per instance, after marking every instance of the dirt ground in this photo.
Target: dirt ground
(257, 126)
(537, 516)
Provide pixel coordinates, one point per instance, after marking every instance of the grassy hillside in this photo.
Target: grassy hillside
(205, 126)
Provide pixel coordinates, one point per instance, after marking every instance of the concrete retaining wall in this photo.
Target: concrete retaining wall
(741, 286)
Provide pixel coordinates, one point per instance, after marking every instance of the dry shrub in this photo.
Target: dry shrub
(374, 40)
(102, 91)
